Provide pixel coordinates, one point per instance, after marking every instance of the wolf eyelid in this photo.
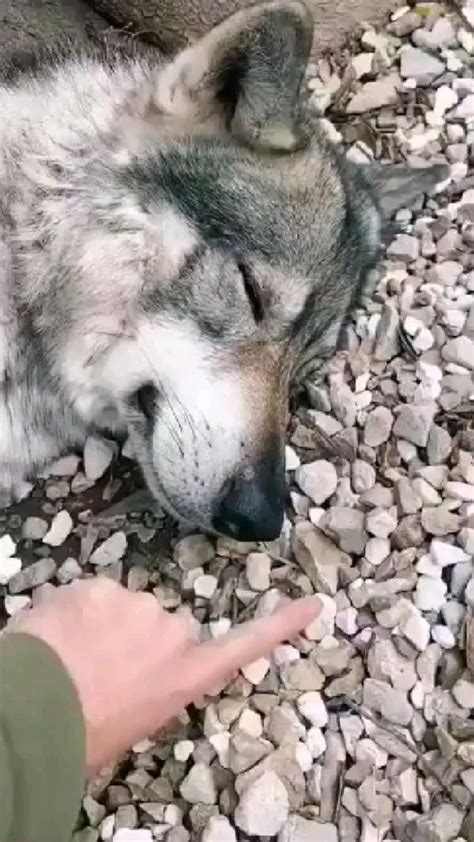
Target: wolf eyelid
(252, 292)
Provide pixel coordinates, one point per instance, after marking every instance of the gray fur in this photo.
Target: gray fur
(176, 244)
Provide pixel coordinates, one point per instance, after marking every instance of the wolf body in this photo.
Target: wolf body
(177, 243)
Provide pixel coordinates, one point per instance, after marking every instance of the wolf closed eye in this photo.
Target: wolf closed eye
(177, 243)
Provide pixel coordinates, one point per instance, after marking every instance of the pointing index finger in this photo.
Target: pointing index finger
(214, 661)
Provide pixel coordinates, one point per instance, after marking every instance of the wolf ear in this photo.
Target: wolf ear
(245, 75)
(398, 185)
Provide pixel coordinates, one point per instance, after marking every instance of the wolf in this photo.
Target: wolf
(178, 242)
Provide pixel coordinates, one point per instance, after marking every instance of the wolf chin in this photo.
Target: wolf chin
(178, 243)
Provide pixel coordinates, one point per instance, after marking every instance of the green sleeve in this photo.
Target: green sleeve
(42, 743)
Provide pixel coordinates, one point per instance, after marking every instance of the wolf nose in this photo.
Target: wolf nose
(253, 509)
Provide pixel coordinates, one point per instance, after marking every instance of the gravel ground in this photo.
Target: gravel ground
(363, 729)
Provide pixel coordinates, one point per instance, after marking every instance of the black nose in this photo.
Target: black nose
(253, 509)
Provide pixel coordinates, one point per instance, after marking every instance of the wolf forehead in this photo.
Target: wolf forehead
(308, 214)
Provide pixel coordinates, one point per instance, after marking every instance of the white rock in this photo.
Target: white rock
(316, 742)
(205, 586)
(324, 624)
(193, 551)
(459, 350)
(250, 723)
(405, 248)
(61, 527)
(312, 707)
(7, 546)
(346, 621)
(377, 550)
(263, 807)
(110, 551)
(363, 476)
(285, 654)
(445, 554)
(382, 522)
(414, 423)
(34, 529)
(460, 491)
(428, 567)
(417, 695)
(299, 829)
(378, 426)
(421, 66)
(183, 750)
(368, 750)
(414, 627)
(318, 480)
(374, 95)
(430, 593)
(107, 828)
(469, 593)
(14, 604)
(443, 636)
(98, 454)
(66, 466)
(466, 39)
(126, 834)
(199, 786)
(463, 691)
(303, 757)
(363, 64)
(256, 671)
(258, 567)
(219, 829)
(445, 99)
(9, 566)
(292, 460)
(220, 743)
(465, 109)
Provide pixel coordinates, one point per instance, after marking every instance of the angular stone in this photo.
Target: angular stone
(319, 557)
(312, 707)
(34, 529)
(387, 341)
(33, 576)
(459, 351)
(298, 829)
(405, 248)
(420, 66)
(439, 521)
(414, 423)
(348, 526)
(219, 829)
(390, 703)
(381, 522)
(263, 807)
(199, 786)
(318, 480)
(61, 527)
(378, 426)
(384, 663)
(430, 593)
(442, 824)
(193, 551)
(98, 454)
(110, 551)
(374, 95)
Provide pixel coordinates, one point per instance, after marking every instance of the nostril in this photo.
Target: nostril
(246, 511)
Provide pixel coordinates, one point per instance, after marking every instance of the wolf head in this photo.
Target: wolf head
(223, 244)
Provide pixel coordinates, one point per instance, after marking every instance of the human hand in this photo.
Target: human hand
(135, 666)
